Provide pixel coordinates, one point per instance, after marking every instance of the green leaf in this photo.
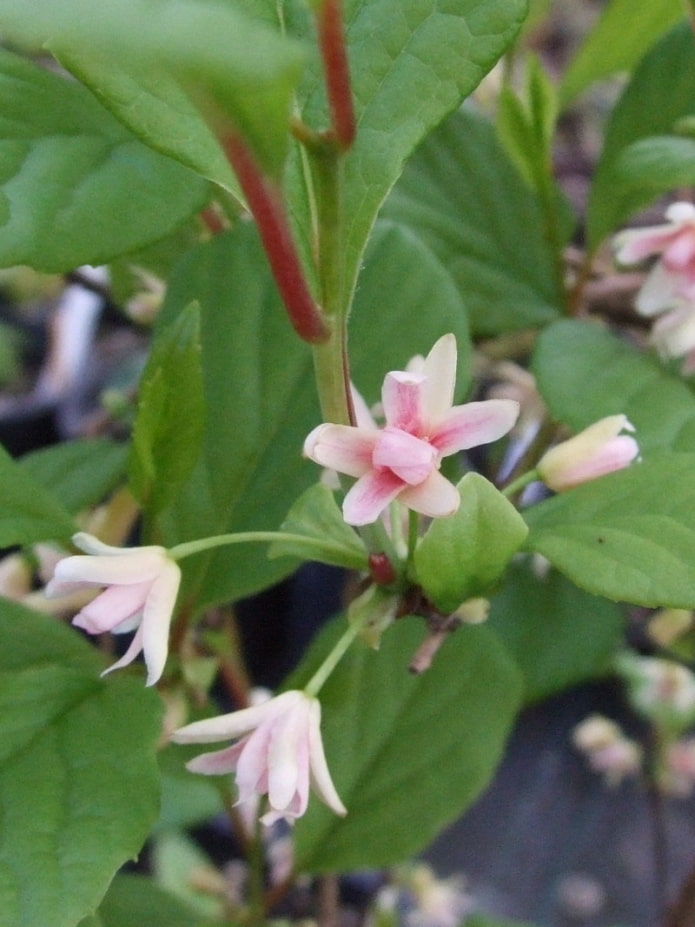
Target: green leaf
(137, 901)
(408, 754)
(228, 59)
(75, 186)
(654, 165)
(29, 512)
(625, 31)
(316, 515)
(584, 374)
(661, 92)
(412, 63)
(79, 473)
(464, 555)
(558, 634)
(462, 195)
(155, 108)
(259, 392)
(78, 777)
(186, 800)
(627, 536)
(168, 430)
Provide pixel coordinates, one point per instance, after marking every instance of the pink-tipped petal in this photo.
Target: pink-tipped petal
(614, 455)
(410, 458)
(440, 370)
(402, 397)
(680, 252)
(660, 291)
(108, 571)
(223, 727)
(114, 606)
(288, 763)
(634, 245)
(370, 495)
(436, 497)
(341, 447)
(320, 775)
(475, 423)
(217, 763)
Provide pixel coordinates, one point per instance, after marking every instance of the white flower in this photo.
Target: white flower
(280, 754)
(141, 588)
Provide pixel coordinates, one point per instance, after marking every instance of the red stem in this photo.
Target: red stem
(336, 71)
(264, 199)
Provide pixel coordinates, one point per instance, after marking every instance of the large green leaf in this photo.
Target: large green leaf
(28, 512)
(260, 402)
(137, 901)
(661, 92)
(558, 634)
(78, 776)
(408, 754)
(464, 555)
(585, 373)
(75, 186)
(227, 58)
(412, 63)
(78, 473)
(625, 31)
(463, 196)
(168, 430)
(628, 536)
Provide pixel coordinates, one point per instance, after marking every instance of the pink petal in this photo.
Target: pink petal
(363, 415)
(681, 251)
(402, 397)
(217, 763)
(370, 495)
(115, 605)
(635, 245)
(660, 290)
(320, 775)
(252, 766)
(440, 370)
(475, 423)
(410, 458)
(133, 566)
(232, 725)
(342, 448)
(614, 455)
(436, 497)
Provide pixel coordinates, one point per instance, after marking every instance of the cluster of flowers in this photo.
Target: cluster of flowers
(668, 291)
(277, 749)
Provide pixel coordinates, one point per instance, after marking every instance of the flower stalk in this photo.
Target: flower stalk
(331, 35)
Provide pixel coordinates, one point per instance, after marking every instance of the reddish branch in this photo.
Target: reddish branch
(336, 70)
(264, 199)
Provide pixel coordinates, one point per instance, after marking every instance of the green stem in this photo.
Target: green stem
(413, 525)
(519, 483)
(188, 548)
(314, 685)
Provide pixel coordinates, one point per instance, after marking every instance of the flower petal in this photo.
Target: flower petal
(235, 723)
(217, 763)
(320, 775)
(133, 650)
(440, 370)
(410, 458)
(132, 566)
(288, 761)
(156, 619)
(436, 497)
(402, 397)
(660, 291)
(370, 495)
(474, 423)
(679, 252)
(634, 245)
(341, 447)
(115, 605)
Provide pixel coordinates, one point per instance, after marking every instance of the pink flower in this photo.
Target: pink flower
(597, 450)
(280, 754)
(672, 279)
(142, 585)
(402, 460)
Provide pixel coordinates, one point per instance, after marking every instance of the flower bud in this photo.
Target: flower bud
(599, 449)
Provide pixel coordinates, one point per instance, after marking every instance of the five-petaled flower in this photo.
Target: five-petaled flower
(402, 460)
(671, 281)
(280, 754)
(141, 588)
(599, 449)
